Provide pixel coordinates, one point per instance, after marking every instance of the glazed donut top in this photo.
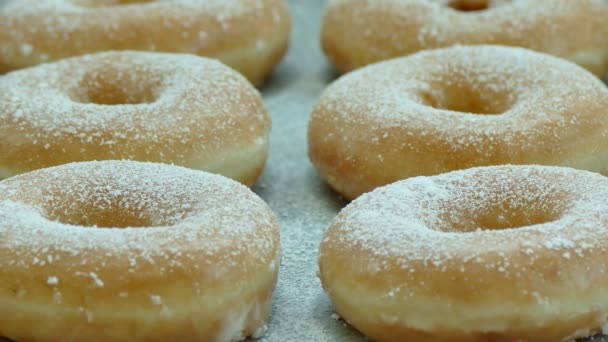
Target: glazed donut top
(145, 217)
(508, 101)
(400, 27)
(168, 107)
(498, 221)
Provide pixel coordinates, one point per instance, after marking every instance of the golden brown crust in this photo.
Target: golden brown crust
(192, 256)
(250, 36)
(178, 109)
(501, 253)
(455, 108)
(359, 32)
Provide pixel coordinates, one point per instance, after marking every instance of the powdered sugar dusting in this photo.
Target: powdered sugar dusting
(455, 219)
(260, 332)
(191, 219)
(174, 108)
(393, 90)
(63, 16)
(35, 31)
(98, 282)
(156, 300)
(470, 244)
(52, 280)
(462, 107)
(383, 29)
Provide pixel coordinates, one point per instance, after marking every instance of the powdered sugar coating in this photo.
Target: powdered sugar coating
(383, 29)
(455, 108)
(509, 251)
(189, 212)
(527, 79)
(436, 220)
(168, 108)
(220, 8)
(65, 16)
(511, 18)
(114, 244)
(238, 32)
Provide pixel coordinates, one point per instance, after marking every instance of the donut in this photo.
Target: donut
(169, 108)
(134, 251)
(496, 253)
(357, 33)
(249, 35)
(455, 108)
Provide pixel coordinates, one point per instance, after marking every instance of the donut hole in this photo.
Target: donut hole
(469, 5)
(113, 207)
(505, 207)
(510, 214)
(112, 215)
(115, 88)
(466, 98)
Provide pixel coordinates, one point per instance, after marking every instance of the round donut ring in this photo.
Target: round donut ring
(357, 33)
(499, 253)
(248, 35)
(126, 251)
(168, 108)
(456, 108)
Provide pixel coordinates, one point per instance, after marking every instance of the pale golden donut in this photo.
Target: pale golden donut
(360, 32)
(499, 253)
(248, 35)
(169, 108)
(132, 251)
(455, 108)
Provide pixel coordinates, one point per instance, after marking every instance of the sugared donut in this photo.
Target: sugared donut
(248, 35)
(499, 253)
(131, 251)
(456, 108)
(168, 108)
(360, 32)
